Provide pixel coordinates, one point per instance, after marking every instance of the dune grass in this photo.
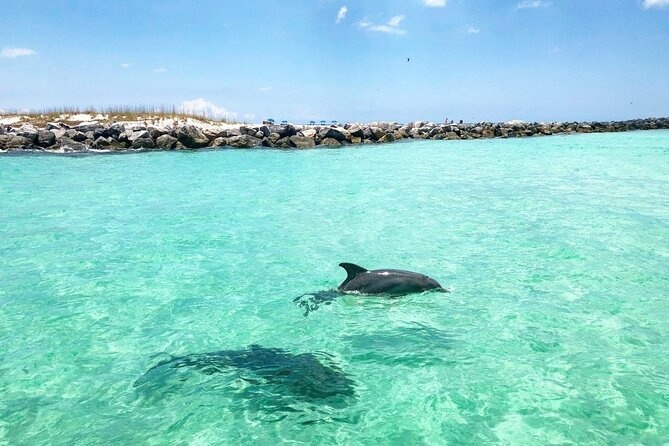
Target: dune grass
(113, 113)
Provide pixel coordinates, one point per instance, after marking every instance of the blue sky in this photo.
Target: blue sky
(475, 60)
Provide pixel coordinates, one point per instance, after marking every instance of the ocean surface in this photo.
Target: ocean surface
(149, 298)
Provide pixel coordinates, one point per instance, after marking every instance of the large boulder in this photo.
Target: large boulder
(218, 142)
(284, 131)
(69, 145)
(301, 142)
(46, 138)
(330, 142)
(156, 132)
(89, 127)
(266, 131)
(309, 133)
(356, 130)
(388, 137)
(139, 134)
(76, 136)
(243, 141)
(28, 131)
(211, 134)
(113, 131)
(338, 133)
(191, 137)
(166, 142)
(108, 143)
(14, 142)
(143, 143)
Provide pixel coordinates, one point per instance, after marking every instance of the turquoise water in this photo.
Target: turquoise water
(556, 250)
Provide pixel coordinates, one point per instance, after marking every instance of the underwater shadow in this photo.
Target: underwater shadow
(268, 379)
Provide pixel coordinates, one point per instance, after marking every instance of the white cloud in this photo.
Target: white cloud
(16, 52)
(160, 70)
(341, 15)
(206, 108)
(532, 4)
(267, 88)
(655, 3)
(473, 30)
(125, 65)
(392, 27)
(435, 3)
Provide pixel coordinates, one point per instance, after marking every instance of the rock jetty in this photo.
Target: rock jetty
(59, 137)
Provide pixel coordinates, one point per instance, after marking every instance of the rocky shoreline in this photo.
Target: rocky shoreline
(96, 137)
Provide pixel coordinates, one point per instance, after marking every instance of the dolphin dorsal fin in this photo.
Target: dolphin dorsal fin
(352, 271)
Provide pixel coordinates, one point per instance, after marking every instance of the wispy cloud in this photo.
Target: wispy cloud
(473, 30)
(160, 70)
(341, 15)
(435, 3)
(16, 52)
(532, 4)
(392, 27)
(267, 88)
(125, 65)
(655, 3)
(206, 108)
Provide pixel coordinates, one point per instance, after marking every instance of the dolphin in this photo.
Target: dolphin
(394, 282)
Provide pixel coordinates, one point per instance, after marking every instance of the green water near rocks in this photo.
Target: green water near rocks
(556, 250)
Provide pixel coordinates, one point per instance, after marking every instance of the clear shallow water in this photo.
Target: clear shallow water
(556, 250)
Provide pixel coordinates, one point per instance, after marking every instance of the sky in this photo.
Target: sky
(345, 60)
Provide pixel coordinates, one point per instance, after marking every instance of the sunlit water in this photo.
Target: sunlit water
(556, 330)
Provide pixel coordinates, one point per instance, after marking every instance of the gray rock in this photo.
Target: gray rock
(46, 138)
(156, 132)
(356, 131)
(338, 133)
(191, 137)
(274, 137)
(125, 135)
(113, 131)
(212, 134)
(53, 126)
(265, 131)
(89, 127)
(166, 142)
(283, 143)
(76, 136)
(3, 140)
(28, 131)
(218, 142)
(309, 133)
(102, 143)
(284, 131)
(388, 137)
(143, 143)
(301, 142)
(15, 142)
(139, 134)
(330, 142)
(243, 141)
(70, 145)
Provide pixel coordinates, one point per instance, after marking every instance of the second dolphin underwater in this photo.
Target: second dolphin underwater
(359, 280)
